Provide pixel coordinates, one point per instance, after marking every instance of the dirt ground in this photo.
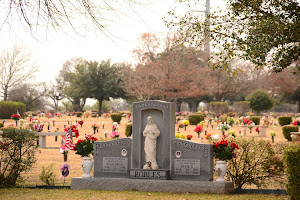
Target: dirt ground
(47, 156)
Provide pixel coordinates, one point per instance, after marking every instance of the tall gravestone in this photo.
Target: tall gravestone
(163, 115)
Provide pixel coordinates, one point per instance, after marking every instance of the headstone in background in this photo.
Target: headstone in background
(163, 115)
(191, 160)
(112, 158)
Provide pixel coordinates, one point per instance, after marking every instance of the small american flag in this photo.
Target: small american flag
(68, 143)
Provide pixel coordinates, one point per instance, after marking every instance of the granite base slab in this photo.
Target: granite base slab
(175, 186)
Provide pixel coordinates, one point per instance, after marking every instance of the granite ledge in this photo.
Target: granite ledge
(175, 186)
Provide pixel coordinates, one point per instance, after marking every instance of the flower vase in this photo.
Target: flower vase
(272, 139)
(16, 123)
(198, 134)
(223, 133)
(86, 166)
(221, 169)
(94, 131)
(81, 125)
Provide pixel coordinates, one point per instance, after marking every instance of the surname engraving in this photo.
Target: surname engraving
(187, 166)
(115, 164)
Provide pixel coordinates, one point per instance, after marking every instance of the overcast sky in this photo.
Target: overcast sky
(53, 48)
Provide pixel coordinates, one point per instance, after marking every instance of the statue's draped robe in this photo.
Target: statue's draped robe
(151, 133)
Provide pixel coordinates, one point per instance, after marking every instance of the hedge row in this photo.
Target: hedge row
(284, 120)
(194, 119)
(255, 119)
(116, 117)
(286, 130)
(292, 163)
(7, 108)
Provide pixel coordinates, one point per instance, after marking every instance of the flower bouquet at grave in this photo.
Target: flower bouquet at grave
(189, 137)
(232, 133)
(85, 147)
(16, 117)
(74, 129)
(273, 133)
(230, 121)
(95, 127)
(247, 121)
(224, 150)
(49, 115)
(198, 129)
(185, 123)
(267, 122)
(115, 126)
(114, 135)
(296, 123)
(53, 121)
(257, 130)
(223, 127)
(26, 114)
(211, 137)
(180, 136)
(80, 122)
(180, 124)
(178, 118)
(202, 123)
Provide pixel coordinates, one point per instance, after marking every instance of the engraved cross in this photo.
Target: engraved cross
(218, 171)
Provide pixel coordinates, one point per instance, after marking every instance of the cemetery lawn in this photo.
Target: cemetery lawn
(24, 194)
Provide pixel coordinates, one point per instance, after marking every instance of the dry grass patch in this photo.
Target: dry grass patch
(35, 194)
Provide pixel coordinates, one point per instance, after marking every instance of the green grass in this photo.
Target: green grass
(46, 194)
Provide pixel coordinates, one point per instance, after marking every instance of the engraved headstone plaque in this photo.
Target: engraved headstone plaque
(194, 163)
(112, 158)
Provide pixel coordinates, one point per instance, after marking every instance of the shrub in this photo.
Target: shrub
(260, 100)
(195, 118)
(7, 108)
(128, 130)
(116, 117)
(219, 107)
(284, 120)
(255, 119)
(253, 161)
(286, 131)
(17, 154)
(94, 115)
(292, 164)
(78, 114)
(47, 175)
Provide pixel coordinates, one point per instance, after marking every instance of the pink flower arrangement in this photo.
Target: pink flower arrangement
(80, 122)
(49, 115)
(114, 134)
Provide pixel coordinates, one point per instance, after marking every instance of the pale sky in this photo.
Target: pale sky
(55, 47)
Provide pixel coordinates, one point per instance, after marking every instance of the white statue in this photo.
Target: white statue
(150, 133)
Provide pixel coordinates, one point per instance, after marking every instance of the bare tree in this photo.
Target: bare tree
(16, 67)
(80, 15)
(32, 95)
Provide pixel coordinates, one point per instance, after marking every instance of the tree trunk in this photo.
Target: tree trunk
(298, 106)
(100, 106)
(178, 104)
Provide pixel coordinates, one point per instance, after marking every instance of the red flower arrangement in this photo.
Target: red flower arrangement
(296, 123)
(257, 129)
(49, 115)
(15, 117)
(224, 150)
(246, 121)
(208, 137)
(180, 125)
(189, 137)
(81, 122)
(198, 129)
(74, 129)
(85, 147)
